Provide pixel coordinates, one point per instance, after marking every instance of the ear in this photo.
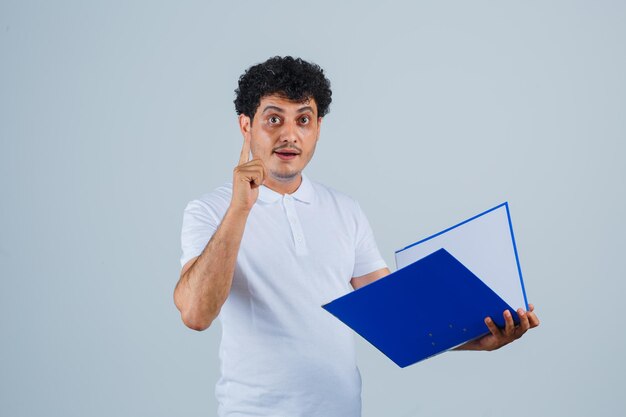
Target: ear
(245, 125)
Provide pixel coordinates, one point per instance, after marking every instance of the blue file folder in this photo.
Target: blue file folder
(421, 310)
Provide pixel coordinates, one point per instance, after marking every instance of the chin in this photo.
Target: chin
(285, 176)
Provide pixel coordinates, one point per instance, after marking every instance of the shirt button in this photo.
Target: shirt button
(299, 239)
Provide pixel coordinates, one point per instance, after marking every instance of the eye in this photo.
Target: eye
(274, 120)
(304, 120)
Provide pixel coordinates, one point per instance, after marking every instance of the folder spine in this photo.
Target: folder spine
(519, 267)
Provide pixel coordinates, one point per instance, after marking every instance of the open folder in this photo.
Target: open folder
(444, 288)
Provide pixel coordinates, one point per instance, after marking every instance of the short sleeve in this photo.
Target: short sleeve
(367, 257)
(199, 224)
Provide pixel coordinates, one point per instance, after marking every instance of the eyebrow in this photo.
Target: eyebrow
(279, 110)
(305, 109)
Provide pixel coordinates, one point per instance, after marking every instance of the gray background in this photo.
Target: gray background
(113, 115)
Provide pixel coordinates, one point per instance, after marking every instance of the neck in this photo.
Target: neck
(283, 187)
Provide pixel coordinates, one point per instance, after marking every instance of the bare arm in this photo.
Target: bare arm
(363, 280)
(205, 281)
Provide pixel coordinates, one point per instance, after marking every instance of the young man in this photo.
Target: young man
(267, 250)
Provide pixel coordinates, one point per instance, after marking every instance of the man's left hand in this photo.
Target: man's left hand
(500, 337)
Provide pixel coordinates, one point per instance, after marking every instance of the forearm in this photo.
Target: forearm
(204, 287)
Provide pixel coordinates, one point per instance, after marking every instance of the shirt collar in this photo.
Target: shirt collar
(305, 193)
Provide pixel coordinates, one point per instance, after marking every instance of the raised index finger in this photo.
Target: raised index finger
(245, 150)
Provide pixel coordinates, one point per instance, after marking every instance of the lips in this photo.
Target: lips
(286, 154)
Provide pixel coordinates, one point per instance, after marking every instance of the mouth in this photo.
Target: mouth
(287, 154)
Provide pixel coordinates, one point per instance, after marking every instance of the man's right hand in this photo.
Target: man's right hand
(205, 281)
(248, 176)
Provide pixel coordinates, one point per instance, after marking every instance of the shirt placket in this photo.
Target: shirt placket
(294, 225)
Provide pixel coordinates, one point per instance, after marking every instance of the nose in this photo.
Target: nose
(290, 133)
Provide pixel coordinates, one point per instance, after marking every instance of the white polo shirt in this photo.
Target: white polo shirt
(281, 353)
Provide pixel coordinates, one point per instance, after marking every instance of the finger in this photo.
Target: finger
(524, 323)
(245, 150)
(531, 307)
(258, 179)
(255, 175)
(492, 327)
(509, 327)
(258, 164)
(533, 319)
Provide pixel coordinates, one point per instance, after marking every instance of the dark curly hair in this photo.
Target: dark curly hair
(293, 78)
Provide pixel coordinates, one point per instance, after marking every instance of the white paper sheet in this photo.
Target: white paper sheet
(485, 245)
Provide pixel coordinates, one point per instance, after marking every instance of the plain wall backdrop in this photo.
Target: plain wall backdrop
(113, 115)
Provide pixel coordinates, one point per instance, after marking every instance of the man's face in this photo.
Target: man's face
(283, 134)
